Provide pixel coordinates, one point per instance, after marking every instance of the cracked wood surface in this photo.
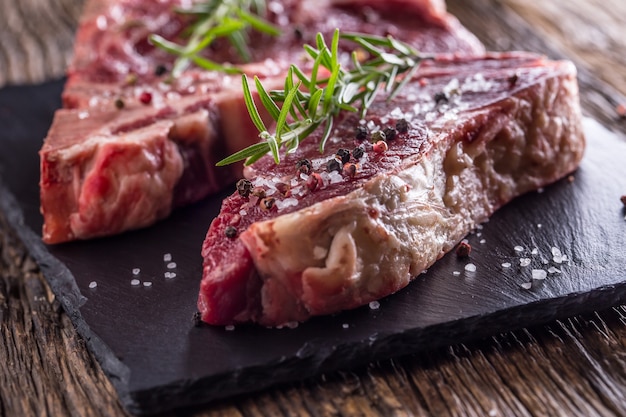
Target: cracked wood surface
(569, 367)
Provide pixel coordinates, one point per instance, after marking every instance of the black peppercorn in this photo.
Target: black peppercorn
(197, 319)
(333, 165)
(361, 132)
(230, 232)
(244, 187)
(390, 133)
(440, 97)
(402, 126)
(344, 155)
(304, 166)
(119, 103)
(160, 70)
(298, 33)
(357, 153)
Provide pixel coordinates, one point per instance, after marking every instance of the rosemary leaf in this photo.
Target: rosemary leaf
(284, 112)
(309, 102)
(215, 19)
(327, 130)
(269, 104)
(251, 106)
(214, 66)
(259, 149)
(260, 25)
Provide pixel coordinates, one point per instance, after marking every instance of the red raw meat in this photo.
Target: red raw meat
(128, 147)
(480, 131)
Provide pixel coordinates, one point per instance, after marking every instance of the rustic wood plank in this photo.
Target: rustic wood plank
(45, 367)
(598, 48)
(501, 28)
(37, 38)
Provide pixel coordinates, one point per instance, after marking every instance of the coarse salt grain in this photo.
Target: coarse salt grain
(554, 270)
(374, 305)
(539, 274)
(535, 251)
(456, 273)
(506, 264)
(93, 284)
(167, 257)
(136, 271)
(518, 249)
(523, 262)
(229, 328)
(526, 285)
(147, 284)
(483, 241)
(134, 282)
(335, 177)
(171, 265)
(345, 325)
(470, 267)
(287, 202)
(169, 275)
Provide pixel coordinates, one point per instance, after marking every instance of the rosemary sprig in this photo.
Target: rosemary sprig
(216, 19)
(310, 102)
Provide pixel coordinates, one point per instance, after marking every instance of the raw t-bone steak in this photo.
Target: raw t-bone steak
(130, 144)
(316, 238)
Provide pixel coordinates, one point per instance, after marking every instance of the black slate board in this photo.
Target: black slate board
(147, 344)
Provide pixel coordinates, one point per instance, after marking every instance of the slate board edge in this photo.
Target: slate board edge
(65, 289)
(188, 393)
(254, 379)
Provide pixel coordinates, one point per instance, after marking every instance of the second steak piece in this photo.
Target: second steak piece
(318, 234)
(131, 144)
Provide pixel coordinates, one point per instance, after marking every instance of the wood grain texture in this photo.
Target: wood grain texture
(575, 367)
(501, 28)
(36, 39)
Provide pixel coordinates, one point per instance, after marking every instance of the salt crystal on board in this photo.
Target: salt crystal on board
(470, 267)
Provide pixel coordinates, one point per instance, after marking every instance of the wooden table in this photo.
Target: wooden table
(571, 367)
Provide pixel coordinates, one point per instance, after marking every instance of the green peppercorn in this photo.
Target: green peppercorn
(378, 136)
